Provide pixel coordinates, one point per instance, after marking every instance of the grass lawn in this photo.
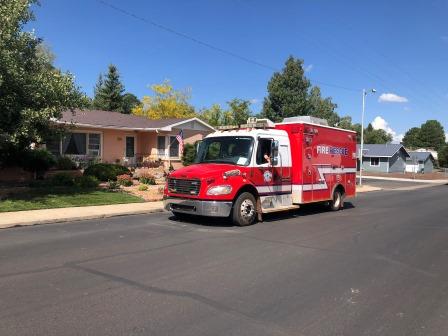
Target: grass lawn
(62, 197)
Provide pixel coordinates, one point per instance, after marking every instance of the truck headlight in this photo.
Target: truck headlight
(224, 189)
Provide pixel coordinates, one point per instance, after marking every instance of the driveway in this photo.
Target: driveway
(379, 267)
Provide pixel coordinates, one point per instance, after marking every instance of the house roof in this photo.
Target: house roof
(116, 120)
(421, 156)
(380, 150)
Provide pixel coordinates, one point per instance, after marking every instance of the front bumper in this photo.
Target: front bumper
(198, 207)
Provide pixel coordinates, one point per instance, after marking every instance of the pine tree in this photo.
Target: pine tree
(109, 92)
(98, 102)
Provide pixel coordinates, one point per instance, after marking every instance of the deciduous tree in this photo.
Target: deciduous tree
(213, 115)
(322, 108)
(432, 134)
(129, 102)
(32, 90)
(443, 156)
(287, 92)
(376, 136)
(412, 138)
(239, 109)
(165, 103)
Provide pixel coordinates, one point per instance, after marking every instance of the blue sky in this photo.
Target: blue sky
(398, 47)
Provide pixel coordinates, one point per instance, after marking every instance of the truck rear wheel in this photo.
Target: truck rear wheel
(336, 202)
(244, 210)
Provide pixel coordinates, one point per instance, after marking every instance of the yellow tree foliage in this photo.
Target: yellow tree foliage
(165, 103)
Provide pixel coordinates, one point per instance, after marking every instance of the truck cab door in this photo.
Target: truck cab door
(273, 181)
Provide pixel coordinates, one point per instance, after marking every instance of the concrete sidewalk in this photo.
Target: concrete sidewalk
(385, 178)
(32, 217)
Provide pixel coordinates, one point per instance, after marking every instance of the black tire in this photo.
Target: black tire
(337, 201)
(244, 210)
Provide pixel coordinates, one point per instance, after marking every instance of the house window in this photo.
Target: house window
(174, 147)
(130, 141)
(94, 144)
(77, 144)
(161, 145)
(374, 161)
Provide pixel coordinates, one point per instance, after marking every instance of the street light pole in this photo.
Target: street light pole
(364, 94)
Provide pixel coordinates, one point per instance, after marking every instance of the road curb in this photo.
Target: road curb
(403, 179)
(62, 219)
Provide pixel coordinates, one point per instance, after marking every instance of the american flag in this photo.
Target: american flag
(180, 139)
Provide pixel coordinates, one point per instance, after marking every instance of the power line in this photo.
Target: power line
(208, 45)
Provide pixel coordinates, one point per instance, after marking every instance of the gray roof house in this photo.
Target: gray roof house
(383, 158)
(420, 162)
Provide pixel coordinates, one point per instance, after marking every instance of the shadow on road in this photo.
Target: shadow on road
(305, 210)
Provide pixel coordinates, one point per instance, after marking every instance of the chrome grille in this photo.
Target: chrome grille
(184, 186)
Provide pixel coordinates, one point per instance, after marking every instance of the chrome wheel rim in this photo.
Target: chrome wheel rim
(247, 209)
(337, 200)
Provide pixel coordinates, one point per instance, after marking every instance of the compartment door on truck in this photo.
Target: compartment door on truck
(308, 172)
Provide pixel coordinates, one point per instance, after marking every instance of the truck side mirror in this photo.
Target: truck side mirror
(274, 152)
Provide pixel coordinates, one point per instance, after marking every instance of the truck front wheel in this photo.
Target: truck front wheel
(244, 210)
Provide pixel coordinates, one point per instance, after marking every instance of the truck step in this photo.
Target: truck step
(281, 208)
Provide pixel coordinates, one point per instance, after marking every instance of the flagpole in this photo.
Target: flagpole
(169, 147)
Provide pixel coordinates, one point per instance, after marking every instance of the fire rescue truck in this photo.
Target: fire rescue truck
(262, 167)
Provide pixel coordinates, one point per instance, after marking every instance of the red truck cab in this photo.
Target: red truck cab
(263, 167)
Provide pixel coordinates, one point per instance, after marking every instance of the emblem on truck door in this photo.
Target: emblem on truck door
(267, 176)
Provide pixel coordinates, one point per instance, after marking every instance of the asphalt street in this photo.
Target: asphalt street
(379, 267)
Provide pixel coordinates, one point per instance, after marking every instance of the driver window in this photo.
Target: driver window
(263, 150)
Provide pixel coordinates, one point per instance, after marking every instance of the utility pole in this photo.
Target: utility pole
(364, 94)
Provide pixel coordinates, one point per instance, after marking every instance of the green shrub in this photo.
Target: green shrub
(142, 187)
(37, 161)
(147, 178)
(87, 182)
(40, 184)
(62, 180)
(124, 180)
(189, 154)
(112, 185)
(65, 163)
(106, 171)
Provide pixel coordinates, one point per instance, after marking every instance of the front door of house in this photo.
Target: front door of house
(130, 146)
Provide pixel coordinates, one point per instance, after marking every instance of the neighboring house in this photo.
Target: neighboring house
(387, 158)
(431, 150)
(122, 138)
(420, 162)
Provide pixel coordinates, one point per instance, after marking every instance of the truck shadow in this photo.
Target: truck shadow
(305, 210)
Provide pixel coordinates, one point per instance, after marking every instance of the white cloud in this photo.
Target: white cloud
(392, 98)
(380, 123)
(308, 68)
(254, 101)
(446, 137)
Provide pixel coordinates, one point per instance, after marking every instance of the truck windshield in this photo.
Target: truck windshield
(227, 149)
